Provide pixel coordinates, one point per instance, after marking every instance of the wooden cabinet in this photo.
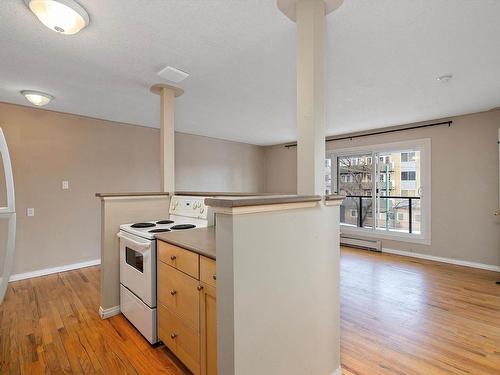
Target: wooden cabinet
(208, 324)
(187, 311)
(207, 271)
(181, 339)
(179, 292)
(179, 258)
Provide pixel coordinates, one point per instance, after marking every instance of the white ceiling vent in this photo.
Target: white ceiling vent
(172, 74)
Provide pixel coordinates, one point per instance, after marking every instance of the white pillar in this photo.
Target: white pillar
(311, 43)
(167, 134)
(311, 40)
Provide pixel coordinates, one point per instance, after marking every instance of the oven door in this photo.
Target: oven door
(138, 267)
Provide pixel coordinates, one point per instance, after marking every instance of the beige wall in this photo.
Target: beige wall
(464, 185)
(100, 156)
(209, 164)
(281, 169)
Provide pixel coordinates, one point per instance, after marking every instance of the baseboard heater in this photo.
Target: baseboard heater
(361, 243)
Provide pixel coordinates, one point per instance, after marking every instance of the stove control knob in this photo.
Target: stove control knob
(202, 210)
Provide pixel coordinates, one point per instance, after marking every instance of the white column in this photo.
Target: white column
(311, 39)
(167, 134)
(167, 140)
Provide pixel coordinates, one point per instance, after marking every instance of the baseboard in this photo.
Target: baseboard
(108, 313)
(457, 262)
(49, 271)
(337, 371)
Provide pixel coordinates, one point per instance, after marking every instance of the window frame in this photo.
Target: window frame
(422, 145)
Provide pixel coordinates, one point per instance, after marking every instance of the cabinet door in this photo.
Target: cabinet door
(179, 292)
(208, 307)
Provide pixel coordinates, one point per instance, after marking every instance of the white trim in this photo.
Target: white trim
(9, 178)
(489, 267)
(108, 313)
(49, 271)
(9, 255)
(337, 371)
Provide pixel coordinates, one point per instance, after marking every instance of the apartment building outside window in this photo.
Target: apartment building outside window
(386, 185)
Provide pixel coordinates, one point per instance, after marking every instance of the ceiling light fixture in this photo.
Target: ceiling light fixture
(62, 16)
(37, 98)
(445, 78)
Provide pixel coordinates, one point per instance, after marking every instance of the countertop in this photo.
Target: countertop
(199, 240)
(259, 200)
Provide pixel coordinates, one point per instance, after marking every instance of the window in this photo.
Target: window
(384, 185)
(409, 176)
(407, 156)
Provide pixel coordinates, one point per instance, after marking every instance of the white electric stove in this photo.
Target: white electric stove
(138, 259)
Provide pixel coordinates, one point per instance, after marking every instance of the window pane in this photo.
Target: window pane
(328, 176)
(350, 212)
(399, 179)
(355, 180)
(355, 175)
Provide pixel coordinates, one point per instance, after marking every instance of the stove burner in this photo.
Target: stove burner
(143, 225)
(159, 230)
(165, 222)
(183, 226)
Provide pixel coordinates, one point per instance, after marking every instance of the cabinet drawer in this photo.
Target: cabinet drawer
(179, 338)
(184, 260)
(208, 271)
(179, 292)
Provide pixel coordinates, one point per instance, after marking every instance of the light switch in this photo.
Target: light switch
(30, 212)
(65, 185)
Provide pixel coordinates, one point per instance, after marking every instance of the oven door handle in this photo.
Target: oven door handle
(141, 245)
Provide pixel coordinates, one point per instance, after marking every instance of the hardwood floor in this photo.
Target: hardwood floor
(50, 325)
(398, 316)
(402, 315)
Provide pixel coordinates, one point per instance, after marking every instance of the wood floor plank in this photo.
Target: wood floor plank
(399, 316)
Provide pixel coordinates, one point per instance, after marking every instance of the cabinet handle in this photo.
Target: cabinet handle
(214, 277)
(173, 292)
(173, 336)
(200, 287)
(173, 257)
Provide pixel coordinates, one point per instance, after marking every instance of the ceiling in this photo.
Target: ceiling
(383, 60)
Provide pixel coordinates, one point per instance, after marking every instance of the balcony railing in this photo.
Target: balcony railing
(405, 204)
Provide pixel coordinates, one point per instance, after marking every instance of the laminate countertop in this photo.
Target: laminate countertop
(199, 240)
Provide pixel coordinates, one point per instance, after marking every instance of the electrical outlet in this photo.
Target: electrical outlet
(65, 185)
(30, 212)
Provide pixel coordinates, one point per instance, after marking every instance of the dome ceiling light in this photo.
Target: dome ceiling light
(62, 16)
(37, 98)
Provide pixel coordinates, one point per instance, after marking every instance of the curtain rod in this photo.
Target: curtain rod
(351, 137)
